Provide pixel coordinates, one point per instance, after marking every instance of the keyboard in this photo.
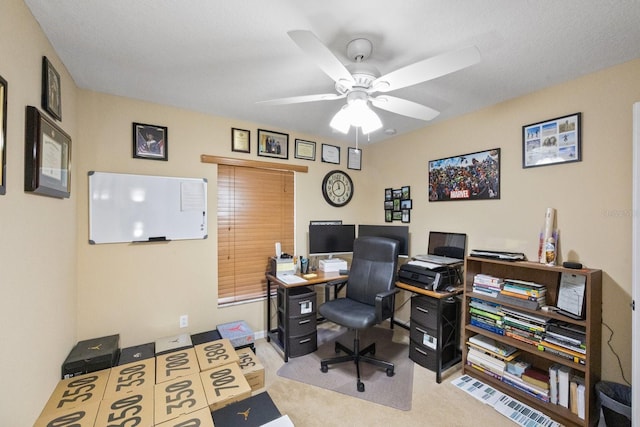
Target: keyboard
(437, 259)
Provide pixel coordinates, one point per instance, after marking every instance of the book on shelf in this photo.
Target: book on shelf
(539, 320)
(517, 366)
(525, 288)
(537, 377)
(511, 333)
(566, 339)
(484, 313)
(581, 401)
(488, 281)
(492, 365)
(553, 383)
(481, 323)
(541, 300)
(547, 344)
(563, 385)
(493, 293)
(518, 302)
(492, 345)
(523, 324)
(505, 256)
(486, 306)
(562, 354)
(525, 283)
(483, 370)
(521, 385)
(492, 354)
(571, 333)
(569, 346)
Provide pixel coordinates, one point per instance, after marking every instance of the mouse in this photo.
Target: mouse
(450, 288)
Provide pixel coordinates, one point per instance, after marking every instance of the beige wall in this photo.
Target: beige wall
(59, 289)
(38, 250)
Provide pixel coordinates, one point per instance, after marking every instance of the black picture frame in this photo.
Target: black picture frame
(406, 204)
(331, 154)
(150, 142)
(388, 215)
(3, 136)
(305, 150)
(47, 163)
(388, 193)
(552, 142)
(51, 90)
(483, 167)
(240, 140)
(273, 144)
(405, 192)
(406, 215)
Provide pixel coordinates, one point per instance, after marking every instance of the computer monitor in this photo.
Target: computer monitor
(452, 245)
(395, 232)
(331, 239)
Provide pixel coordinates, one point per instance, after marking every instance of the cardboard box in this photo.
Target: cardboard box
(251, 412)
(171, 344)
(177, 397)
(137, 353)
(200, 418)
(251, 368)
(177, 364)
(77, 391)
(203, 337)
(92, 355)
(239, 333)
(224, 385)
(129, 378)
(131, 409)
(80, 416)
(216, 353)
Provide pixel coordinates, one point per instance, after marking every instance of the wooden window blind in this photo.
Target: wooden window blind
(255, 210)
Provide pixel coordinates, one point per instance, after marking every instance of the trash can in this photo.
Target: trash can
(615, 400)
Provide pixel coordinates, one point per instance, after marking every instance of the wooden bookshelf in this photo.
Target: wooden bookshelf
(549, 276)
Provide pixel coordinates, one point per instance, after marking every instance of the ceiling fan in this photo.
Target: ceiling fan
(362, 85)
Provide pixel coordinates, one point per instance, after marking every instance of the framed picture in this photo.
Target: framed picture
(51, 91)
(388, 215)
(354, 159)
(396, 205)
(551, 142)
(482, 172)
(47, 156)
(388, 205)
(397, 193)
(406, 215)
(405, 204)
(305, 150)
(273, 144)
(405, 192)
(330, 154)
(240, 140)
(388, 193)
(397, 215)
(150, 142)
(3, 135)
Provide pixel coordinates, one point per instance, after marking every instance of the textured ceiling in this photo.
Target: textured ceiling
(221, 57)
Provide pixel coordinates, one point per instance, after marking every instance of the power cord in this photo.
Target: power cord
(616, 354)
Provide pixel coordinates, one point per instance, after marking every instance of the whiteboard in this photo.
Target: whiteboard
(144, 208)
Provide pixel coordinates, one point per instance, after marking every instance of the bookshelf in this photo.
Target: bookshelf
(550, 277)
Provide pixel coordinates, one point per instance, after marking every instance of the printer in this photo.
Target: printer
(427, 276)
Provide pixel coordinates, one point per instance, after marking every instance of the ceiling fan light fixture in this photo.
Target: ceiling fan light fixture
(340, 121)
(357, 114)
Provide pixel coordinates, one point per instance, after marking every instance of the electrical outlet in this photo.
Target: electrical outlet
(184, 320)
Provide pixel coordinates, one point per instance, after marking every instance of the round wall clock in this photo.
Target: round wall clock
(337, 188)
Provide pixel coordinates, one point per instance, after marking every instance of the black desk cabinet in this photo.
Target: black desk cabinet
(434, 332)
(297, 321)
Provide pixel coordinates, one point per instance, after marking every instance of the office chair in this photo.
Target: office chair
(369, 300)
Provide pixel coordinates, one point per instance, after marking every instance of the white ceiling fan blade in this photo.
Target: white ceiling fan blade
(404, 107)
(427, 69)
(324, 58)
(302, 98)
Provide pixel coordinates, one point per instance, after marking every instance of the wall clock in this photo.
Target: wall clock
(337, 188)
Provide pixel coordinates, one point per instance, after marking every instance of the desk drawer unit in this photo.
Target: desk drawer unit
(424, 310)
(302, 301)
(302, 325)
(299, 345)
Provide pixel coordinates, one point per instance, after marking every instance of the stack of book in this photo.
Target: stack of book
(523, 294)
(567, 389)
(524, 327)
(489, 355)
(486, 315)
(566, 341)
(487, 285)
(524, 383)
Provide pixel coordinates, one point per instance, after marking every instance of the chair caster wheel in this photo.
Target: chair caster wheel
(324, 368)
(390, 372)
(360, 386)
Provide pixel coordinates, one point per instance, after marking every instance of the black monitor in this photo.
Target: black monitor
(453, 245)
(395, 232)
(331, 239)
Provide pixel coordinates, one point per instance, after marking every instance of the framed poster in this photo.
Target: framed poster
(47, 163)
(354, 160)
(150, 142)
(474, 176)
(331, 154)
(305, 150)
(273, 144)
(552, 142)
(51, 91)
(240, 140)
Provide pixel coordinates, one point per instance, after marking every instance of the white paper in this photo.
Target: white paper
(571, 293)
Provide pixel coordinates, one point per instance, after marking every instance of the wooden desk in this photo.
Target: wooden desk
(272, 334)
(427, 325)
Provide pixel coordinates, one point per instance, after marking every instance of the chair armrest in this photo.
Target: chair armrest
(385, 302)
(335, 284)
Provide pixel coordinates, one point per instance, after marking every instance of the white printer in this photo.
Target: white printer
(332, 265)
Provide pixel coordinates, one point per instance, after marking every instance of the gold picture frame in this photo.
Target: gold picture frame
(47, 160)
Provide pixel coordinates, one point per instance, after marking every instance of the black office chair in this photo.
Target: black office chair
(369, 299)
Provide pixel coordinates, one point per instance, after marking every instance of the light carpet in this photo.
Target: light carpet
(395, 391)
